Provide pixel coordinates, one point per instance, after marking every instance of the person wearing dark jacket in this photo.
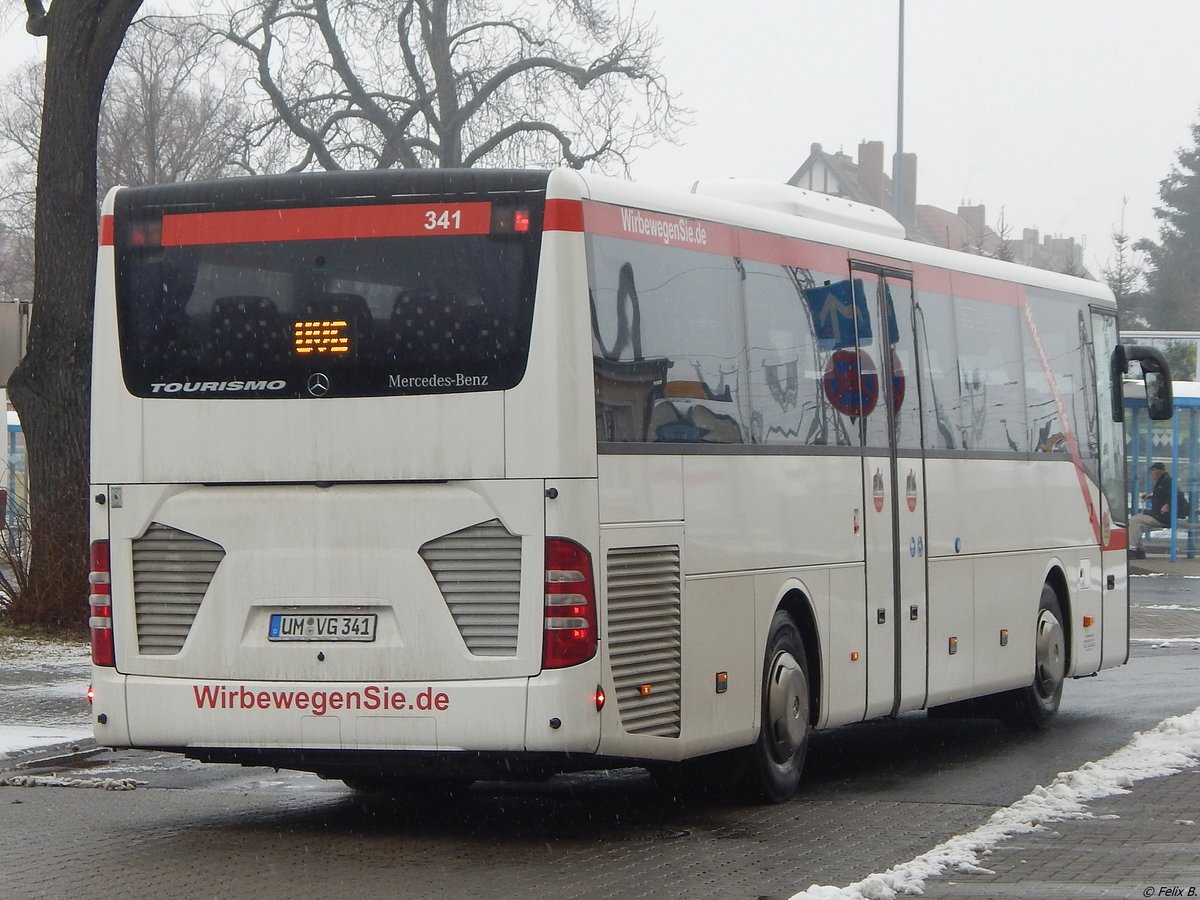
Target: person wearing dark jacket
(1158, 514)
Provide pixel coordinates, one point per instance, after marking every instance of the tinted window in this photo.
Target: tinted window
(789, 314)
(991, 377)
(372, 315)
(937, 346)
(1062, 343)
(906, 398)
(668, 343)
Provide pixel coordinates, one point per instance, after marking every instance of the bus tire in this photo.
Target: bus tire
(778, 755)
(1037, 704)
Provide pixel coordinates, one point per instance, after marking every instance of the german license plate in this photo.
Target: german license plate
(322, 627)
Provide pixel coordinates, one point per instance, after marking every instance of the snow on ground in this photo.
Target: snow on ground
(1169, 748)
(39, 653)
(103, 784)
(15, 738)
(43, 684)
(1159, 643)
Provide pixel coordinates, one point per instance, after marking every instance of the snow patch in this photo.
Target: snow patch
(24, 737)
(102, 784)
(1174, 745)
(1159, 643)
(40, 653)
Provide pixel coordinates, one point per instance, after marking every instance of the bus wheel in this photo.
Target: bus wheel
(1037, 704)
(783, 734)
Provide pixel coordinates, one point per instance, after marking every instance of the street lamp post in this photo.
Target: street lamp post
(898, 168)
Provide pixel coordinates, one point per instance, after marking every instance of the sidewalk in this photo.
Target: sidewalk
(44, 713)
(1142, 844)
(1158, 562)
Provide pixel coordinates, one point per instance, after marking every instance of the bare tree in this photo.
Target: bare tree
(419, 83)
(173, 109)
(20, 129)
(50, 386)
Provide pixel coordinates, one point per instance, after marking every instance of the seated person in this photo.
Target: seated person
(1158, 513)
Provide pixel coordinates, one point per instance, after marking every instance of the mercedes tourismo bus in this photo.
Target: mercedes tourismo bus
(412, 474)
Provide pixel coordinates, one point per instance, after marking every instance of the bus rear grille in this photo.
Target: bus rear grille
(171, 572)
(478, 571)
(644, 637)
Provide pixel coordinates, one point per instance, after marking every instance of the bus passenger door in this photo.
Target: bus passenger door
(894, 489)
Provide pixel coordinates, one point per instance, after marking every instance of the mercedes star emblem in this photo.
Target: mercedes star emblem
(318, 384)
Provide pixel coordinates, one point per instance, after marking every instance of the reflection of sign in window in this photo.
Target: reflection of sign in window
(834, 314)
(851, 382)
(836, 319)
(316, 336)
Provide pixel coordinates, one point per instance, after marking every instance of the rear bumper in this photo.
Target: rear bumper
(506, 716)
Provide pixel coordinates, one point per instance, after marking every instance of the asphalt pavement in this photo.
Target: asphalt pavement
(1144, 843)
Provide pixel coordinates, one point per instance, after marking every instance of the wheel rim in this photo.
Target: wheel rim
(787, 707)
(1051, 663)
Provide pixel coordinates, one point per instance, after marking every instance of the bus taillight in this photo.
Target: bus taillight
(570, 624)
(100, 601)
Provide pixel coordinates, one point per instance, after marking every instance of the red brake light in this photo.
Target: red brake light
(569, 636)
(100, 601)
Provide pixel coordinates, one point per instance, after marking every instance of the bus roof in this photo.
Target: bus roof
(858, 227)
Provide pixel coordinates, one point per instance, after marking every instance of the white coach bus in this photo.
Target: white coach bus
(403, 475)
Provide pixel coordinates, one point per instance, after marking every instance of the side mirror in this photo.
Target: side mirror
(1156, 376)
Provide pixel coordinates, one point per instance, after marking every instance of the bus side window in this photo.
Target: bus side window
(653, 308)
(625, 395)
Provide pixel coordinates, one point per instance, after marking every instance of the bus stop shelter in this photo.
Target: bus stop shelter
(1176, 443)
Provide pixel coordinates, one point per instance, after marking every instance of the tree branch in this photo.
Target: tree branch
(36, 20)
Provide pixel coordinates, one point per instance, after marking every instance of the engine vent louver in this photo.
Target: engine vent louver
(478, 571)
(172, 570)
(644, 637)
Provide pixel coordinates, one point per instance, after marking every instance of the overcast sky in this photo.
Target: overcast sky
(1054, 110)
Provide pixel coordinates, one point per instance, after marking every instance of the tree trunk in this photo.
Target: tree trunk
(50, 386)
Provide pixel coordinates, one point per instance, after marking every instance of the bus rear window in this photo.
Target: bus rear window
(345, 300)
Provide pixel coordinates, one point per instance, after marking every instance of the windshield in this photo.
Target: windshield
(351, 300)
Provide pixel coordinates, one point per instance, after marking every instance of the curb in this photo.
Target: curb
(51, 756)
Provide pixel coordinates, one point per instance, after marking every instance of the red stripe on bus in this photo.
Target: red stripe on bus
(563, 215)
(932, 280)
(326, 223)
(106, 231)
(1118, 539)
(664, 229)
(1063, 417)
(989, 290)
(787, 251)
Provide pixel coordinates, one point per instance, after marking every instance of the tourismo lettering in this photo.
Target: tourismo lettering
(209, 387)
(371, 698)
(681, 231)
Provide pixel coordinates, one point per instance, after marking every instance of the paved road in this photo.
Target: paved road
(876, 795)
